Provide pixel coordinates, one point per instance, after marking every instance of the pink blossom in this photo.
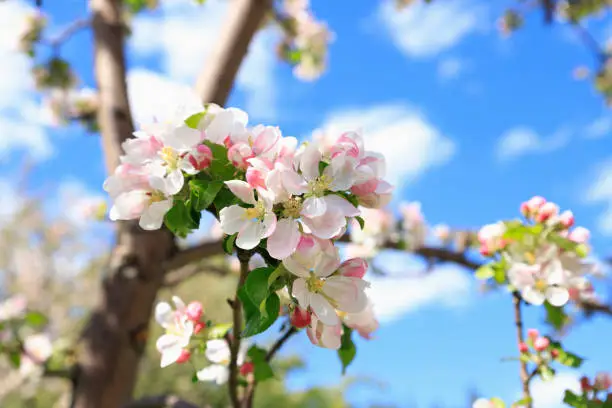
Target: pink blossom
(580, 235)
(324, 335)
(355, 267)
(300, 318)
(541, 343)
(547, 211)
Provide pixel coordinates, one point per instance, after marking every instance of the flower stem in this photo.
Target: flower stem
(244, 257)
(525, 377)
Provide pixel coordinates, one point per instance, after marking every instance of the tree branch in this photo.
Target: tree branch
(280, 342)
(245, 18)
(181, 275)
(520, 337)
(160, 401)
(244, 257)
(68, 32)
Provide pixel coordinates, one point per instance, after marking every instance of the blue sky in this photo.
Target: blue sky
(472, 124)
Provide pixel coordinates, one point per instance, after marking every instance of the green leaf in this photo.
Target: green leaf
(261, 368)
(256, 284)
(220, 167)
(182, 220)
(225, 198)
(522, 402)
(563, 243)
(35, 319)
(228, 243)
(194, 378)
(573, 400)
(556, 316)
(15, 358)
(361, 221)
(219, 331)
(485, 272)
(203, 193)
(194, 120)
(347, 350)
(256, 322)
(498, 403)
(546, 373)
(322, 166)
(565, 357)
(275, 275)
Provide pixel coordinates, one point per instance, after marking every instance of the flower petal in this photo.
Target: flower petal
(242, 190)
(170, 348)
(326, 226)
(348, 293)
(152, 217)
(337, 203)
(557, 296)
(530, 295)
(309, 162)
(215, 372)
(326, 264)
(233, 219)
(250, 235)
(217, 351)
(296, 267)
(324, 310)
(285, 238)
(314, 207)
(301, 293)
(164, 315)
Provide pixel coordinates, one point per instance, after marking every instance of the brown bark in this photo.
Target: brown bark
(116, 333)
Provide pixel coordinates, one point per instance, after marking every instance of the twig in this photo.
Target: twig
(279, 343)
(244, 257)
(181, 275)
(72, 29)
(590, 43)
(518, 320)
(160, 401)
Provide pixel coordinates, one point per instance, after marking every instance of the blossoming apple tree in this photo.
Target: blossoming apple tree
(282, 206)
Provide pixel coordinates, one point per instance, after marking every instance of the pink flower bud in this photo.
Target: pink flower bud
(184, 357)
(533, 334)
(194, 311)
(585, 384)
(580, 235)
(255, 177)
(355, 267)
(238, 154)
(535, 203)
(198, 327)
(300, 318)
(547, 211)
(523, 347)
(201, 158)
(554, 353)
(566, 219)
(603, 381)
(247, 368)
(525, 209)
(541, 343)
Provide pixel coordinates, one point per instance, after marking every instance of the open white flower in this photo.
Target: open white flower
(251, 224)
(319, 289)
(218, 353)
(179, 330)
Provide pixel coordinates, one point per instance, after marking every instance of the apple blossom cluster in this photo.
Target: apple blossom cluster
(306, 40)
(597, 391)
(64, 105)
(272, 197)
(31, 32)
(540, 256)
(25, 347)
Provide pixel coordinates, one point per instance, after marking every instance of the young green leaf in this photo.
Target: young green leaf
(203, 193)
(573, 400)
(484, 272)
(194, 120)
(35, 319)
(219, 331)
(361, 221)
(261, 368)
(228, 243)
(182, 220)
(546, 373)
(498, 403)
(347, 350)
(256, 322)
(556, 316)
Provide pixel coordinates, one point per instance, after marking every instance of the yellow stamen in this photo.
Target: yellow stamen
(170, 156)
(320, 185)
(292, 207)
(540, 285)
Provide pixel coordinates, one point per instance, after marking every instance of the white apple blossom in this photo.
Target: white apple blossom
(178, 327)
(218, 353)
(37, 348)
(319, 286)
(252, 224)
(13, 307)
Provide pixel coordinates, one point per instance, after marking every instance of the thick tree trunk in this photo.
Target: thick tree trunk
(116, 333)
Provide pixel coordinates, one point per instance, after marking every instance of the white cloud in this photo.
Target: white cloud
(450, 68)
(395, 296)
(424, 30)
(549, 394)
(600, 192)
(409, 142)
(20, 127)
(521, 141)
(600, 127)
(185, 36)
